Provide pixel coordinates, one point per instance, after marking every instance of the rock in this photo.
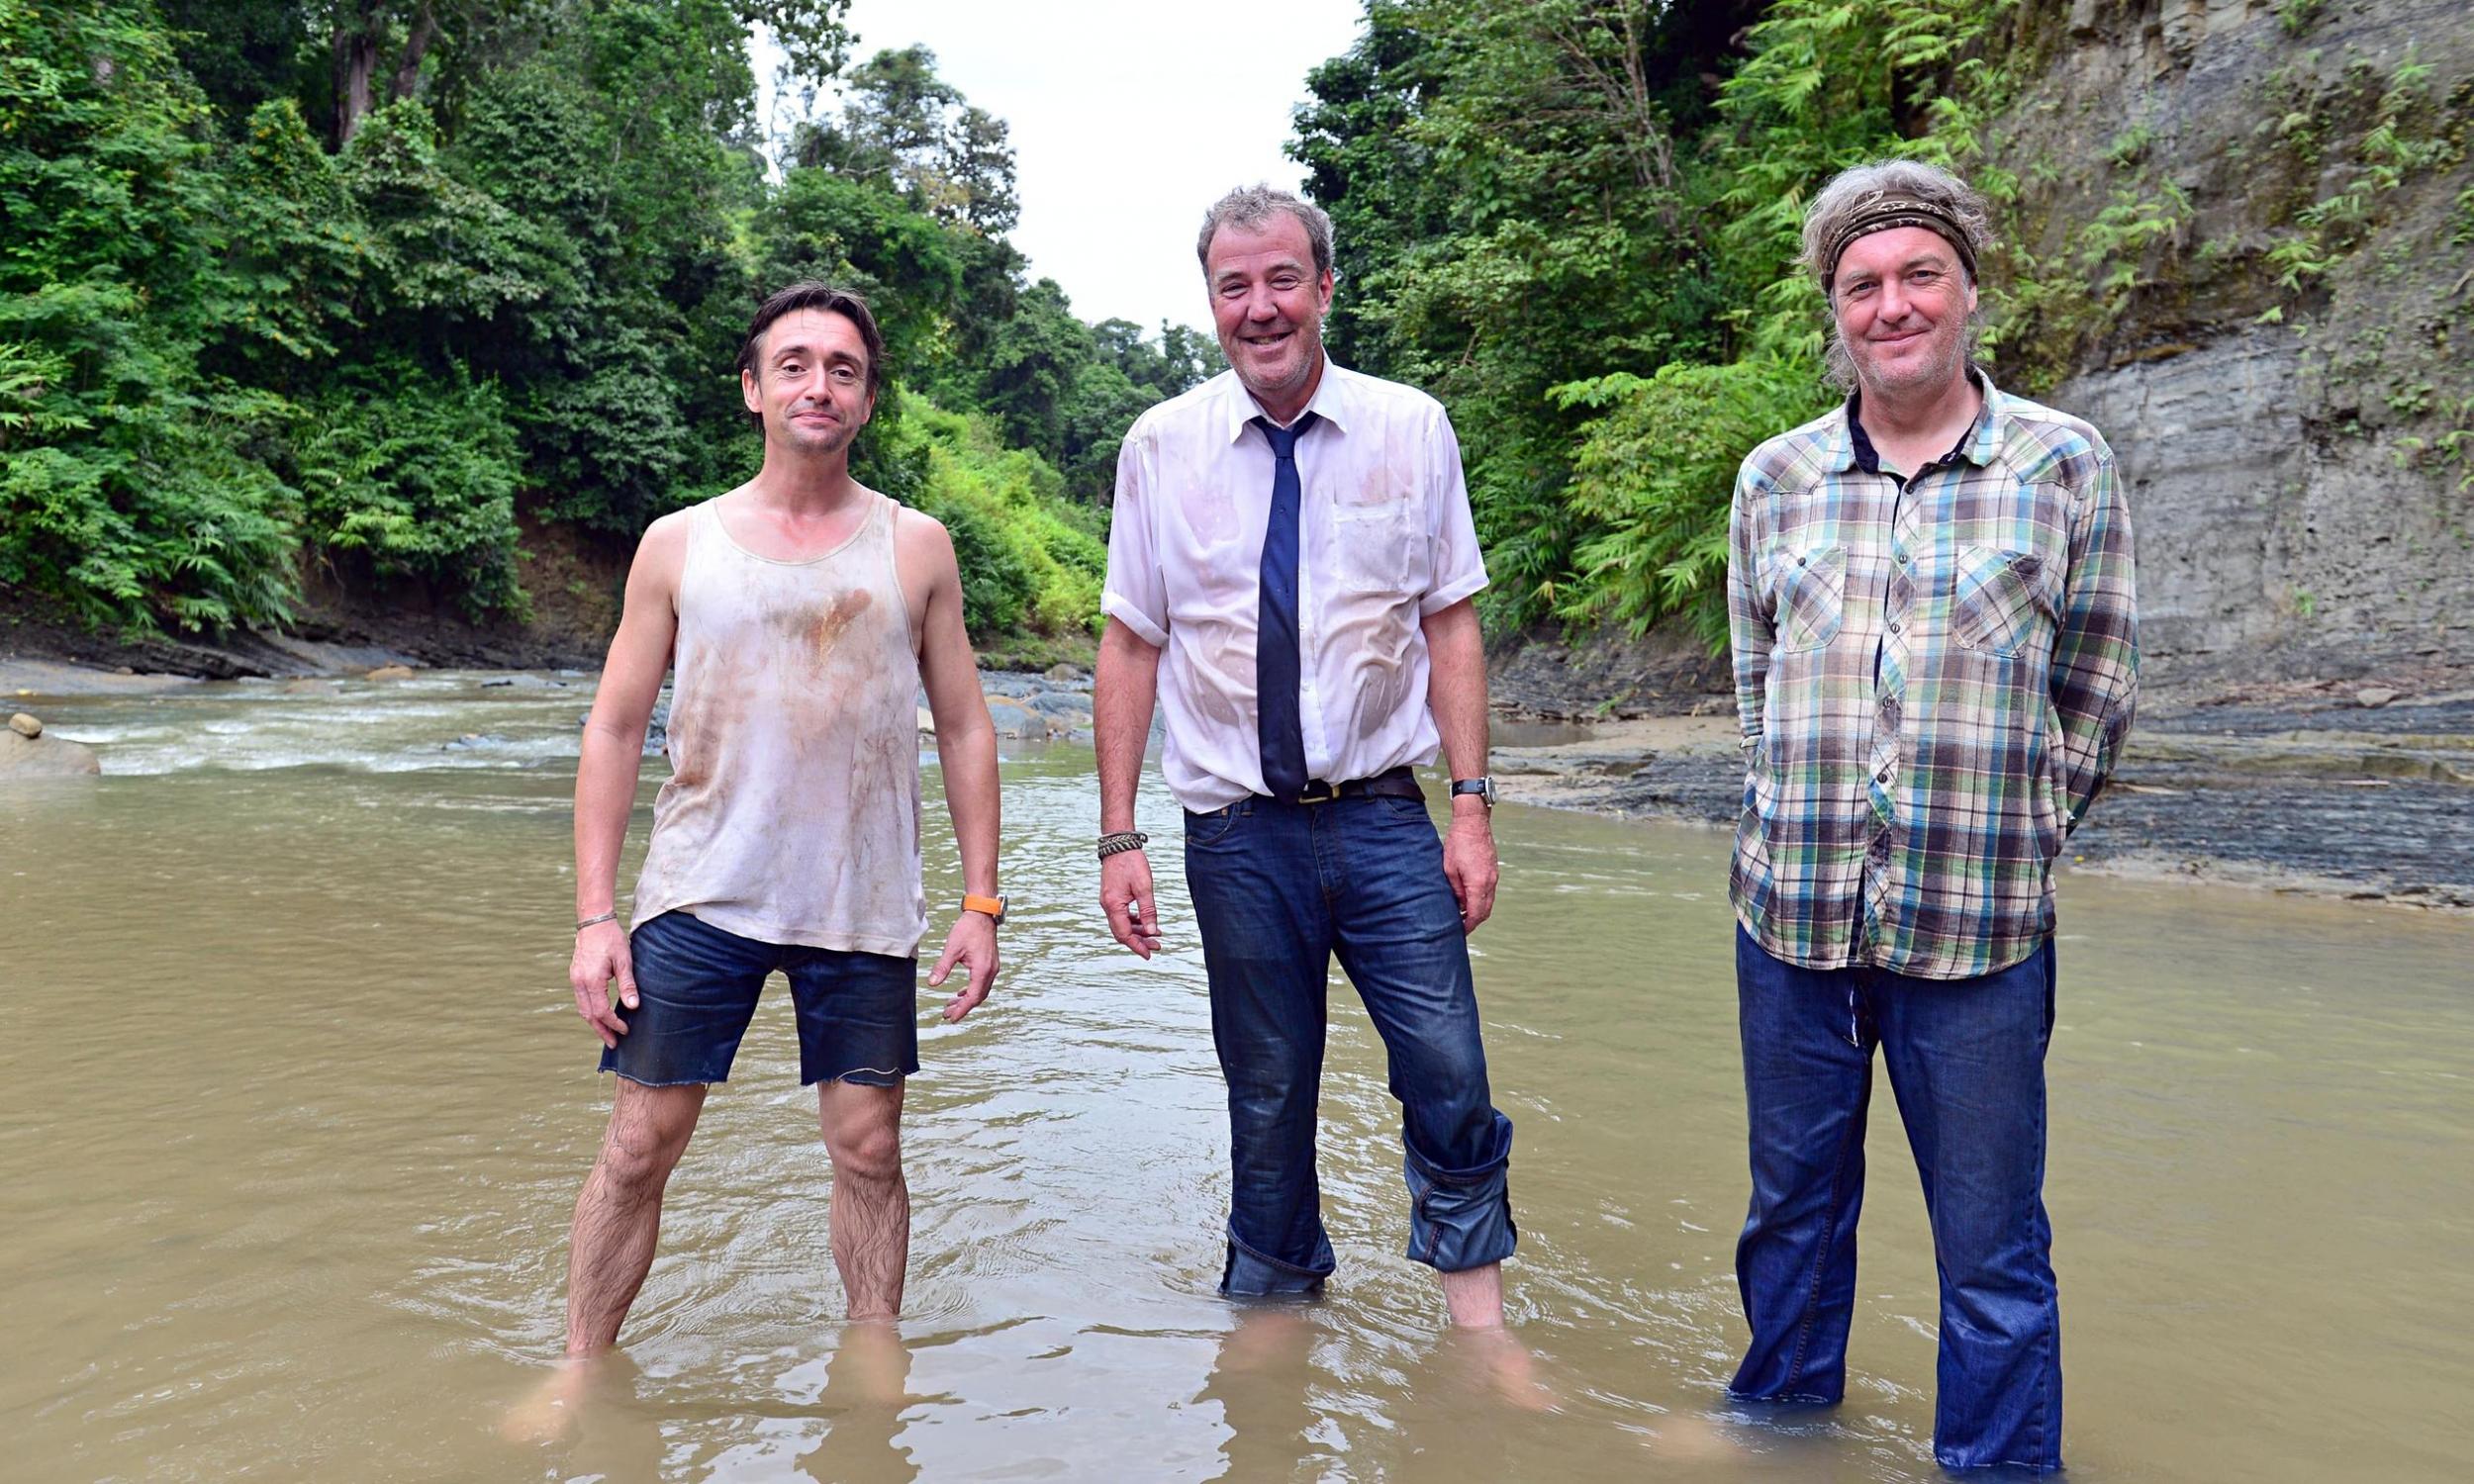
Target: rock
(390, 673)
(1067, 674)
(927, 723)
(2372, 698)
(1014, 719)
(1060, 704)
(25, 725)
(22, 756)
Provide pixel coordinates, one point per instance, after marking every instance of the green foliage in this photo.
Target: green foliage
(134, 489)
(1654, 476)
(2408, 135)
(287, 282)
(1030, 558)
(419, 474)
(1576, 222)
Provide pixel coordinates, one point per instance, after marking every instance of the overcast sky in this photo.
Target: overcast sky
(1128, 118)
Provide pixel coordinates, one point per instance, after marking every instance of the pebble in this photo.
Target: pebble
(388, 673)
(25, 725)
(2372, 698)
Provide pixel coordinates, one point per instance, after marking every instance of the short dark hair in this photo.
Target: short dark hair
(809, 294)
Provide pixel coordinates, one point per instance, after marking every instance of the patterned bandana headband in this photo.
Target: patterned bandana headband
(1900, 211)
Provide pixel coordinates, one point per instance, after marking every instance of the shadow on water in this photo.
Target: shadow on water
(299, 1106)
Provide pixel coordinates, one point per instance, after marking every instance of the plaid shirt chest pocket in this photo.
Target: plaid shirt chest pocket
(2006, 576)
(1808, 596)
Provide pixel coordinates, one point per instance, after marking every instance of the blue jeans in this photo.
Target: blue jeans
(1966, 1061)
(1278, 890)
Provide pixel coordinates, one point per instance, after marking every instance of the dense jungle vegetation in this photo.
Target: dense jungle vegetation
(1576, 221)
(357, 281)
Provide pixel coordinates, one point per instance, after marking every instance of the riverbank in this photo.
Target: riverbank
(2361, 788)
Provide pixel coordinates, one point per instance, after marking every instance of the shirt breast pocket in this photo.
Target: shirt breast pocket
(1811, 598)
(1997, 598)
(1376, 546)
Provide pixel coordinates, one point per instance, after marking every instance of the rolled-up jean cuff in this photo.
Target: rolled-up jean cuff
(1251, 1275)
(1461, 1219)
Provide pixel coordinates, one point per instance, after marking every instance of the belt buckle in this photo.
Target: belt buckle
(1310, 796)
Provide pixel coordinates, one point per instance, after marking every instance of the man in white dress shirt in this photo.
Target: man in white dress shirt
(1290, 575)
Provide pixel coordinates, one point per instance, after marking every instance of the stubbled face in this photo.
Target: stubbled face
(1902, 303)
(811, 382)
(1269, 302)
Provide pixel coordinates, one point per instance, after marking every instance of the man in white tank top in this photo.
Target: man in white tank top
(802, 610)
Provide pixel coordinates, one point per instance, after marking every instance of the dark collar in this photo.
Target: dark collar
(1868, 459)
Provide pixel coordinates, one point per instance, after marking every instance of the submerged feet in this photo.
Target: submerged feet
(554, 1409)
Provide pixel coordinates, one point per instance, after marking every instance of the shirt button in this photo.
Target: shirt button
(1903, 558)
(1884, 776)
(1893, 625)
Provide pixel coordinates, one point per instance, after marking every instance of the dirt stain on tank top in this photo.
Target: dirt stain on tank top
(837, 618)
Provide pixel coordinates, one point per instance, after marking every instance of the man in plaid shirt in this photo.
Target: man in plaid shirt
(1936, 658)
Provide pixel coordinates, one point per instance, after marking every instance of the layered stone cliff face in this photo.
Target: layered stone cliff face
(2270, 207)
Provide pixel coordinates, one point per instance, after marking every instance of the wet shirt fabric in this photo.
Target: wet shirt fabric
(792, 813)
(1935, 677)
(1385, 538)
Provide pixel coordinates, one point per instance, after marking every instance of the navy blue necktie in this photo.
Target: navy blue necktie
(1277, 724)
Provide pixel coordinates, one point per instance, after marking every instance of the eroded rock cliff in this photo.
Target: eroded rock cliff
(2268, 208)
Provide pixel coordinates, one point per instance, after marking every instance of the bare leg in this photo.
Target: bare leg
(870, 1216)
(619, 1215)
(611, 1247)
(1474, 1296)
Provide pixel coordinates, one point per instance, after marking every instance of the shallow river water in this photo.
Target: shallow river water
(296, 1106)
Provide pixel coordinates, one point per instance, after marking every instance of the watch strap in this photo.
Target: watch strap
(994, 906)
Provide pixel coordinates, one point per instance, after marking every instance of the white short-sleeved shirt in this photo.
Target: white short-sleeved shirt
(1385, 538)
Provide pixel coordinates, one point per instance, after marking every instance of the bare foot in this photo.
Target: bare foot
(1694, 1437)
(548, 1412)
(1505, 1366)
(870, 1370)
(1266, 1338)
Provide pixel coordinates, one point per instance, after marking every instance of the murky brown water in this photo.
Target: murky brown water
(296, 1108)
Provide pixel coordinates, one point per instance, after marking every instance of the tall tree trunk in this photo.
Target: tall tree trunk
(357, 28)
(415, 47)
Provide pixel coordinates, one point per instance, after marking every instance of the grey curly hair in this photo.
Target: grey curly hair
(1863, 190)
(1252, 206)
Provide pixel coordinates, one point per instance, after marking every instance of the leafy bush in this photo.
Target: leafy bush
(1028, 557)
(420, 474)
(1655, 474)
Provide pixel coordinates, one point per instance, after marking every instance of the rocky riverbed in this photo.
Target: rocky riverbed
(2362, 787)
(2359, 791)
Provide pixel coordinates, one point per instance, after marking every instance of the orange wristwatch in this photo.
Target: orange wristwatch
(994, 906)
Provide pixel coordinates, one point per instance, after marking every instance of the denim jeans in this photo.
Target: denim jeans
(1278, 890)
(697, 984)
(1966, 1061)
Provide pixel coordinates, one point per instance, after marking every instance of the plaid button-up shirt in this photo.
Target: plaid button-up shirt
(1935, 678)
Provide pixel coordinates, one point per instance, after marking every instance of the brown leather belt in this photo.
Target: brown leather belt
(1392, 783)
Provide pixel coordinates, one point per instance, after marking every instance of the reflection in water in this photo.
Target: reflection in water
(864, 1397)
(296, 1108)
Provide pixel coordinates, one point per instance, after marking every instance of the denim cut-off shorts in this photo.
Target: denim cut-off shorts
(697, 987)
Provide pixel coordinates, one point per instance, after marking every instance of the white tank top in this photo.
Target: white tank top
(792, 813)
